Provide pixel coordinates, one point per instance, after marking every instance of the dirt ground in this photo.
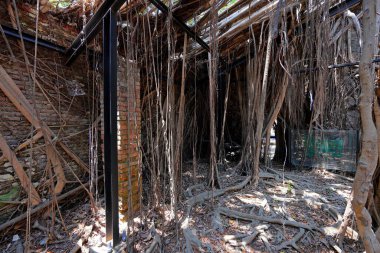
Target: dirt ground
(310, 197)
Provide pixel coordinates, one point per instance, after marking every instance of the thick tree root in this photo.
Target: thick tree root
(156, 242)
(266, 175)
(189, 191)
(257, 230)
(245, 239)
(191, 241)
(291, 242)
(266, 243)
(335, 246)
(200, 198)
(252, 217)
(217, 222)
(191, 238)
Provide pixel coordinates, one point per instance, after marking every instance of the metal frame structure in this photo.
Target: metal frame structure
(107, 15)
(32, 39)
(162, 7)
(342, 7)
(110, 126)
(91, 29)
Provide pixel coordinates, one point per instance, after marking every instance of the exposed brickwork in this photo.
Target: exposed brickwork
(129, 131)
(54, 29)
(129, 134)
(74, 118)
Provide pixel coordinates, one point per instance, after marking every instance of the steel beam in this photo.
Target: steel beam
(342, 7)
(32, 39)
(351, 64)
(162, 7)
(91, 29)
(110, 126)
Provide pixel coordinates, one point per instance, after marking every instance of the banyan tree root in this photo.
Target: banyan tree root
(245, 239)
(346, 219)
(251, 217)
(191, 238)
(264, 238)
(316, 201)
(333, 244)
(266, 175)
(200, 198)
(232, 239)
(189, 191)
(256, 231)
(217, 222)
(334, 230)
(191, 241)
(291, 242)
(294, 240)
(156, 242)
(37, 225)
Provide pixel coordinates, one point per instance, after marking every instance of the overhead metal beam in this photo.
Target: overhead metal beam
(110, 126)
(342, 7)
(162, 7)
(8, 31)
(91, 29)
(336, 66)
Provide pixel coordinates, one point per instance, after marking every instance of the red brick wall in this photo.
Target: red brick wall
(59, 30)
(129, 132)
(74, 117)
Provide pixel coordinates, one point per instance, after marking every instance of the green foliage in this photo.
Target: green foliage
(290, 187)
(60, 3)
(228, 5)
(11, 195)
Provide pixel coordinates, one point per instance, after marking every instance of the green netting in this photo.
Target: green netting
(329, 149)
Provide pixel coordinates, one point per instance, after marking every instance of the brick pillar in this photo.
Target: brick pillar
(129, 132)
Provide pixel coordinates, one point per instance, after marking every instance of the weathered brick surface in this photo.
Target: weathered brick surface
(50, 28)
(129, 134)
(74, 118)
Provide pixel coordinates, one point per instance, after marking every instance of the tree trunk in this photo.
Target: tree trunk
(213, 65)
(260, 116)
(276, 111)
(376, 194)
(369, 151)
(180, 123)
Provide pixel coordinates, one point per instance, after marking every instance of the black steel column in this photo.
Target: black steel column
(110, 126)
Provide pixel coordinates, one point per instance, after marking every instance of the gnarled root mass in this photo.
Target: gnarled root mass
(191, 238)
